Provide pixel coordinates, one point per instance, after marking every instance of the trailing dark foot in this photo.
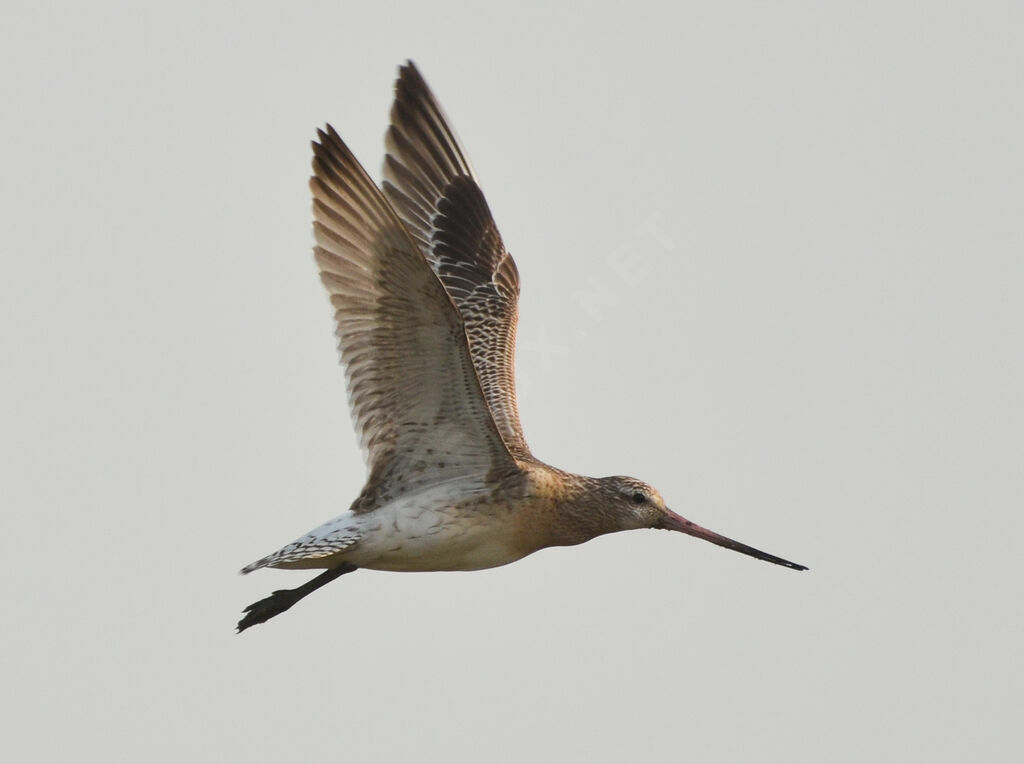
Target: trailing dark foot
(282, 599)
(267, 608)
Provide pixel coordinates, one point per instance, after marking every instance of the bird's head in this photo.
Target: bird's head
(635, 504)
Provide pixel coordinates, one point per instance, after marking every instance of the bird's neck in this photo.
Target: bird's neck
(568, 507)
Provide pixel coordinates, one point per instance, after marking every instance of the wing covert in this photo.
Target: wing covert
(413, 390)
(431, 185)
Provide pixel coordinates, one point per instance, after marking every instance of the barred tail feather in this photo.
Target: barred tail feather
(306, 551)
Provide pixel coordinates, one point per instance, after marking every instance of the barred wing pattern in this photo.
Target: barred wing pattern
(415, 397)
(432, 187)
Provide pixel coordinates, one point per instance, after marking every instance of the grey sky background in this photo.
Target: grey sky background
(771, 258)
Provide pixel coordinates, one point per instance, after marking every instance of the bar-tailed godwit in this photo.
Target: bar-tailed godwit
(424, 295)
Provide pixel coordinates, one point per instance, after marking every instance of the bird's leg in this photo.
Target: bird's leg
(282, 599)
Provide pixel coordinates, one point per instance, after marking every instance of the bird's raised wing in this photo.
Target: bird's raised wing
(415, 397)
(432, 187)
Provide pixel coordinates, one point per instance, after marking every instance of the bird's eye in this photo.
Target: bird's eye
(639, 498)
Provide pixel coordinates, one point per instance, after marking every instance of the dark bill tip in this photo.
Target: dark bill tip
(674, 522)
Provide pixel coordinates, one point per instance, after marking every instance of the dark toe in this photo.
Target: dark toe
(265, 609)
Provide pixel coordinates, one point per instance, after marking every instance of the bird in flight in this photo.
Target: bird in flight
(425, 302)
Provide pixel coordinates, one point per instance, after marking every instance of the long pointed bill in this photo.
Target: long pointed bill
(674, 522)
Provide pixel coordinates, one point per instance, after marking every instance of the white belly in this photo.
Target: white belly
(422, 536)
(443, 528)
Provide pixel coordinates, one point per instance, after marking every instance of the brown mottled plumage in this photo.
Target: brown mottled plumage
(425, 301)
